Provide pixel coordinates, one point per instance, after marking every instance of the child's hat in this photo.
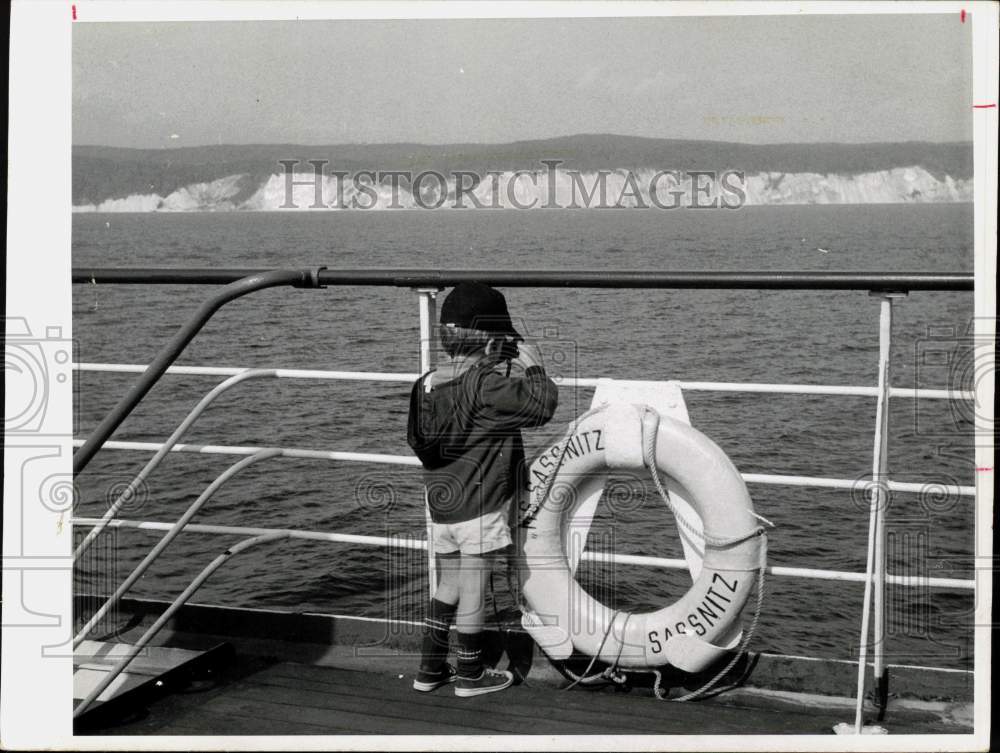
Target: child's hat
(473, 305)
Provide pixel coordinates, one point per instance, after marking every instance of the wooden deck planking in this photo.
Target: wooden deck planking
(633, 712)
(286, 698)
(576, 709)
(227, 721)
(450, 716)
(383, 704)
(288, 711)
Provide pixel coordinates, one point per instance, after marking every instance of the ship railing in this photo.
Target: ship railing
(427, 284)
(856, 486)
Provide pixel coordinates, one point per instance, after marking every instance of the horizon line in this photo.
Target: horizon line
(518, 141)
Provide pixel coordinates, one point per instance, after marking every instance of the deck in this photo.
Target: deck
(319, 678)
(263, 697)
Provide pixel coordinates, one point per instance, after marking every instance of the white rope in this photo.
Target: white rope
(649, 457)
(746, 638)
(584, 678)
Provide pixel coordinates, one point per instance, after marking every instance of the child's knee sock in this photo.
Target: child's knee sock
(470, 655)
(437, 626)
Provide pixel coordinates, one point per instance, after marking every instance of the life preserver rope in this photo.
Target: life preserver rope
(683, 634)
(614, 674)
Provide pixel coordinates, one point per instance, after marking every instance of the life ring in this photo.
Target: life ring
(700, 627)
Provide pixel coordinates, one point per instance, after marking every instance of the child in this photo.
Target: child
(464, 425)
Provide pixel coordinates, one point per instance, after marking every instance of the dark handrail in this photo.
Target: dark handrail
(236, 288)
(431, 278)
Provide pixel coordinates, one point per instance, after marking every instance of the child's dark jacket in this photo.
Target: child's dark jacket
(466, 433)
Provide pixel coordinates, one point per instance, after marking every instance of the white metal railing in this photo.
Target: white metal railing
(770, 479)
(878, 487)
(819, 482)
(405, 542)
(409, 378)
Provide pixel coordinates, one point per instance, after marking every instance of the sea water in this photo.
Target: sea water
(705, 335)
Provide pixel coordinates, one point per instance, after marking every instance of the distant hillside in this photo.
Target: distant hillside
(100, 173)
(228, 177)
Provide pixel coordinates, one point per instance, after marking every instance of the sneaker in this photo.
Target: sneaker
(426, 681)
(490, 681)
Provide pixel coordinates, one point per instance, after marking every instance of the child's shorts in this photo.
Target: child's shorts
(480, 535)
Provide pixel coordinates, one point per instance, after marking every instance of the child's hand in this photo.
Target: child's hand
(529, 355)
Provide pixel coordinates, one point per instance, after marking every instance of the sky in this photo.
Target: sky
(764, 79)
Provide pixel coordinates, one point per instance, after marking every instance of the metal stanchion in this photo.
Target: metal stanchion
(428, 317)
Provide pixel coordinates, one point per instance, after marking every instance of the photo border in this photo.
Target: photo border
(39, 289)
